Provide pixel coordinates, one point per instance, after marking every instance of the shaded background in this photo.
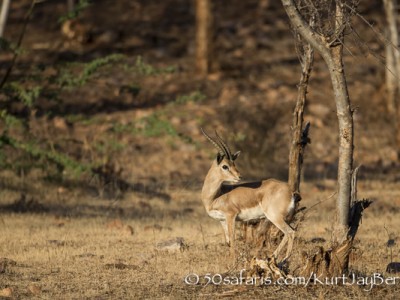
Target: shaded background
(115, 94)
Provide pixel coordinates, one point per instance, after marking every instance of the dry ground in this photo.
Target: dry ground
(76, 248)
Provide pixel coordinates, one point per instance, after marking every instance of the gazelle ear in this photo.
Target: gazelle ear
(236, 155)
(220, 158)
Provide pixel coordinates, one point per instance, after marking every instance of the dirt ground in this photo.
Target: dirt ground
(118, 92)
(89, 253)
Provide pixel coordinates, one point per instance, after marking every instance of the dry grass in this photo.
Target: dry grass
(79, 252)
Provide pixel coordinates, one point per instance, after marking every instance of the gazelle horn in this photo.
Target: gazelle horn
(219, 147)
(225, 147)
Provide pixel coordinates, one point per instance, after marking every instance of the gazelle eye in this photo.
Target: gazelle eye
(225, 167)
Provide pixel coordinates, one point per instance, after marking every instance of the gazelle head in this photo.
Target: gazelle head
(225, 161)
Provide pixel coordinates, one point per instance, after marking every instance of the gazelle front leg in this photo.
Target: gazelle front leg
(230, 222)
(225, 227)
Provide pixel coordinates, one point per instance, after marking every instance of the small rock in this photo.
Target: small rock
(172, 245)
(390, 243)
(393, 267)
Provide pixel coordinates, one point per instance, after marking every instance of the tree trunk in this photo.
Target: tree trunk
(393, 67)
(5, 7)
(204, 36)
(345, 120)
(346, 131)
(300, 138)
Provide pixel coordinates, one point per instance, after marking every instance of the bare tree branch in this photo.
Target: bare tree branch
(301, 26)
(300, 136)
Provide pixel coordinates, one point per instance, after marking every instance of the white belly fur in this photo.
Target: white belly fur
(254, 213)
(216, 214)
(249, 214)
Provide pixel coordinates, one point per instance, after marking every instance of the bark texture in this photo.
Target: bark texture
(204, 36)
(393, 67)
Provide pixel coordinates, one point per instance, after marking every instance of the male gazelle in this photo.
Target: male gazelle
(271, 199)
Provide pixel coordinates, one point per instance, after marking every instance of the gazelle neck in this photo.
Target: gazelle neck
(211, 187)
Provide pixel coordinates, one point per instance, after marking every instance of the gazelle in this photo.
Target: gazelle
(271, 199)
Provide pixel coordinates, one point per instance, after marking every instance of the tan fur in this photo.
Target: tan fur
(269, 199)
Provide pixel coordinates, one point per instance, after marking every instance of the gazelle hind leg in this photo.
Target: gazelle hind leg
(280, 246)
(287, 239)
(289, 243)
